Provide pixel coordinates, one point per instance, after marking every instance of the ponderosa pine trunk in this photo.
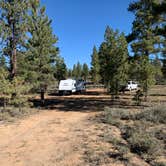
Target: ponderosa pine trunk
(13, 56)
(42, 97)
(13, 63)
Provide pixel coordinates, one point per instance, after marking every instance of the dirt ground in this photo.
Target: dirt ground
(49, 138)
(61, 135)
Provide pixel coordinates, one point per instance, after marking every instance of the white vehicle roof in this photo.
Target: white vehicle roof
(69, 81)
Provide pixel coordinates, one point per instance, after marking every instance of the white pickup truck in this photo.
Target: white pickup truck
(131, 85)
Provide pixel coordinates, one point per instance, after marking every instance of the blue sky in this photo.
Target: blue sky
(80, 24)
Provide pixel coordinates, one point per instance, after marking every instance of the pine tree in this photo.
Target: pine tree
(13, 91)
(4, 86)
(159, 14)
(145, 42)
(164, 67)
(134, 67)
(13, 30)
(147, 74)
(41, 49)
(69, 73)
(158, 69)
(77, 70)
(113, 58)
(95, 67)
(164, 59)
(104, 58)
(3, 62)
(74, 71)
(85, 71)
(60, 69)
(142, 27)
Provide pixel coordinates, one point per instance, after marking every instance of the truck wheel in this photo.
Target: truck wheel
(60, 93)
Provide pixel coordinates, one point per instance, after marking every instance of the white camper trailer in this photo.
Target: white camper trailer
(71, 86)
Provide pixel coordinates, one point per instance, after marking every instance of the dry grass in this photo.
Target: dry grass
(145, 136)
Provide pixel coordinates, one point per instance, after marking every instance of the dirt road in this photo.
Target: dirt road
(53, 137)
(65, 134)
(49, 138)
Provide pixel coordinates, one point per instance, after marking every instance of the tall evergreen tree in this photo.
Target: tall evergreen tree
(159, 14)
(74, 71)
(3, 62)
(60, 69)
(85, 71)
(145, 42)
(13, 29)
(77, 70)
(41, 49)
(158, 69)
(95, 67)
(69, 73)
(134, 67)
(113, 58)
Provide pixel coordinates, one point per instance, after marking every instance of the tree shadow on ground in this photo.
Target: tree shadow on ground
(82, 104)
(157, 95)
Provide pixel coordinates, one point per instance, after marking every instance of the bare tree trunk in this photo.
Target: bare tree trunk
(42, 97)
(13, 55)
(13, 63)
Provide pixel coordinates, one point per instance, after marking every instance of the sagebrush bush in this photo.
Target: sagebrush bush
(121, 150)
(4, 116)
(142, 141)
(159, 164)
(141, 136)
(161, 135)
(113, 115)
(156, 114)
(14, 112)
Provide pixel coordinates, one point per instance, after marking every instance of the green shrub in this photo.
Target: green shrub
(126, 131)
(121, 149)
(14, 112)
(155, 114)
(161, 135)
(143, 143)
(138, 97)
(137, 127)
(159, 164)
(141, 136)
(112, 115)
(4, 116)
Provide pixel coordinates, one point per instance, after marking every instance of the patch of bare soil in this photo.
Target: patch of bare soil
(49, 138)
